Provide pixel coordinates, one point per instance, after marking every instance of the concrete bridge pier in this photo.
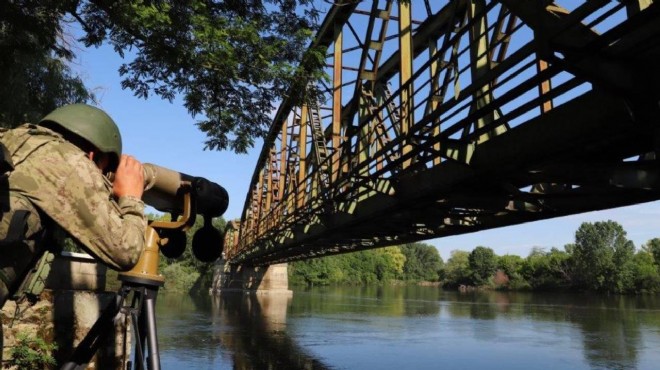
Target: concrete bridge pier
(250, 279)
(76, 292)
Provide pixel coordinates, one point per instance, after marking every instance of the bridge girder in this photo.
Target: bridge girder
(445, 118)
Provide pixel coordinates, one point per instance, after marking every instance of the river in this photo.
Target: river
(411, 327)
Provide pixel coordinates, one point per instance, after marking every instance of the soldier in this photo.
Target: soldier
(55, 181)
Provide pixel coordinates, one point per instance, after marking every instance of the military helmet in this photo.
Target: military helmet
(91, 124)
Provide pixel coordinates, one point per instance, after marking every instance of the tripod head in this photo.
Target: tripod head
(184, 197)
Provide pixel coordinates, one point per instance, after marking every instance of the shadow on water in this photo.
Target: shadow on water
(246, 331)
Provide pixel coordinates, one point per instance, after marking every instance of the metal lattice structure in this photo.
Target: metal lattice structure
(448, 117)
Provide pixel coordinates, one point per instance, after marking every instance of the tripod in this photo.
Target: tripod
(143, 318)
(143, 281)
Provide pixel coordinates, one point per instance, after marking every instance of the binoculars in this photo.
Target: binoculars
(185, 197)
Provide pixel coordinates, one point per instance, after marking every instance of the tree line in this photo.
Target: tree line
(410, 262)
(601, 259)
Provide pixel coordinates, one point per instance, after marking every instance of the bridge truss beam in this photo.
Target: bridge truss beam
(448, 117)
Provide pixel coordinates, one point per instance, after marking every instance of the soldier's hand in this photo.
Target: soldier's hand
(129, 178)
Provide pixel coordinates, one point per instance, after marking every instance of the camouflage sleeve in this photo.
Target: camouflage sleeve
(68, 187)
(135, 224)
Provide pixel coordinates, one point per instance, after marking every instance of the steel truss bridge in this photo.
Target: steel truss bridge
(448, 117)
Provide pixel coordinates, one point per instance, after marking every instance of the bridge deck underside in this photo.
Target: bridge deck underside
(481, 115)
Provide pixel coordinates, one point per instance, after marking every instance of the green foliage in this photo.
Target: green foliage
(34, 74)
(363, 267)
(180, 277)
(603, 257)
(512, 265)
(653, 248)
(645, 271)
(317, 271)
(397, 259)
(560, 267)
(230, 61)
(457, 269)
(546, 270)
(482, 262)
(31, 353)
(422, 262)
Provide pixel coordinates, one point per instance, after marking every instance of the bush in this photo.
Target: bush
(31, 353)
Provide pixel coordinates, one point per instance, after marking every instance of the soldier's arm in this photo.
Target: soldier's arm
(127, 187)
(74, 193)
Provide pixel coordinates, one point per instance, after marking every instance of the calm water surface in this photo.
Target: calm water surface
(408, 328)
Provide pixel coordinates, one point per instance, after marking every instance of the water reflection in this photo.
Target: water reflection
(388, 301)
(610, 327)
(259, 339)
(409, 327)
(186, 335)
(237, 330)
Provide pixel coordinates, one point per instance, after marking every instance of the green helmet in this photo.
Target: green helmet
(91, 124)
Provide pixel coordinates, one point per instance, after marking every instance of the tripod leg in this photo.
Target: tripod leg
(146, 333)
(139, 338)
(152, 335)
(90, 344)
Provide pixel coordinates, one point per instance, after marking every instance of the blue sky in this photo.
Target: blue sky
(156, 131)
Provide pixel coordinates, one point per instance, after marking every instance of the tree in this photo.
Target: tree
(311, 272)
(548, 270)
(230, 61)
(362, 267)
(34, 74)
(483, 263)
(560, 267)
(535, 267)
(423, 262)
(396, 259)
(653, 248)
(602, 257)
(511, 265)
(647, 276)
(457, 268)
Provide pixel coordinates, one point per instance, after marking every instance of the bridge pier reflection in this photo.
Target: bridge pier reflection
(256, 332)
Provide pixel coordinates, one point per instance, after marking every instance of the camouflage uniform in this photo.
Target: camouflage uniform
(68, 189)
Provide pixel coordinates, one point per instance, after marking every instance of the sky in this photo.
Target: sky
(157, 131)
